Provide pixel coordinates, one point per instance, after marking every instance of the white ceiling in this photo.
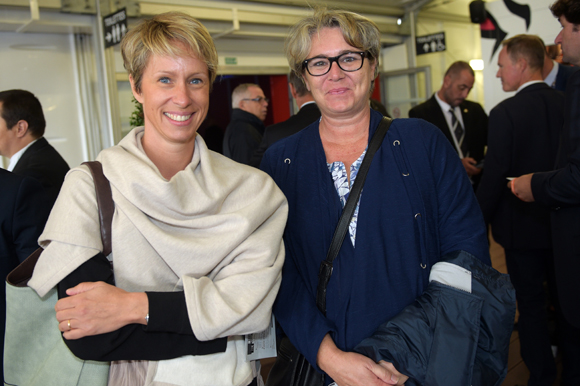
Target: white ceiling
(256, 19)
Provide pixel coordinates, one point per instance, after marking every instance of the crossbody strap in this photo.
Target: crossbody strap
(105, 203)
(20, 275)
(325, 270)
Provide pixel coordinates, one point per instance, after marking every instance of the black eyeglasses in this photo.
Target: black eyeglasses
(258, 99)
(349, 61)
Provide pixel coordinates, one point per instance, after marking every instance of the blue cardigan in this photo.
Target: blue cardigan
(417, 205)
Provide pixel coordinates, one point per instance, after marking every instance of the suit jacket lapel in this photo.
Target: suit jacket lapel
(439, 118)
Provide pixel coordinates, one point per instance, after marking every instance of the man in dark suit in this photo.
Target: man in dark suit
(24, 208)
(22, 127)
(464, 123)
(308, 112)
(555, 74)
(246, 128)
(524, 134)
(560, 190)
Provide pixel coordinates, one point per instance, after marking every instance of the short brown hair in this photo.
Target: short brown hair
(357, 30)
(529, 47)
(457, 67)
(157, 36)
(22, 105)
(570, 9)
(298, 83)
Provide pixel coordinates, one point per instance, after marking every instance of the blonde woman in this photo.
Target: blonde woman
(196, 237)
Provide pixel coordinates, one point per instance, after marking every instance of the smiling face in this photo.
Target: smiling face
(509, 71)
(569, 39)
(338, 93)
(175, 98)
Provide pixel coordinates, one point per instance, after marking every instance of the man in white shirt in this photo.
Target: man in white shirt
(463, 122)
(560, 190)
(556, 74)
(524, 135)
(22, 126)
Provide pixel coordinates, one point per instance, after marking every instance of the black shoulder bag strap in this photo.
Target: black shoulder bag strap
(22, 273)
(340, 232)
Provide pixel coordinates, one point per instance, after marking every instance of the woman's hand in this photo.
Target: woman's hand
(352, 369)
(394, 373)
(94, 308)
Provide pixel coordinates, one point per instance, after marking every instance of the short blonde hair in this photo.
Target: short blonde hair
(157, 36)
(357, 30)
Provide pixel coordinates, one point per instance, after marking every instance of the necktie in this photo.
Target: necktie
(457, 129)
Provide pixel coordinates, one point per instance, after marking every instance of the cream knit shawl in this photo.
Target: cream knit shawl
(214, 231)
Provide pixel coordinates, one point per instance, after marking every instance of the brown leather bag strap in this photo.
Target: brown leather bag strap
(105, 203)
(20, 275)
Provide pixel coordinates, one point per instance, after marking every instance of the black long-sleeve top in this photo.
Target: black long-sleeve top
(167, 335)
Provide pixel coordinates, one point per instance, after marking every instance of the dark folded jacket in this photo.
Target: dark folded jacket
(448, 336)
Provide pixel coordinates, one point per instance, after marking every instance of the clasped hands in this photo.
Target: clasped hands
(94, 308)
(353, 369)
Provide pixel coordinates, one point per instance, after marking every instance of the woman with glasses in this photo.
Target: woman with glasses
(416, 206)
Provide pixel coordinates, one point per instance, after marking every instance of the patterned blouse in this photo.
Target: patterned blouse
(342, 186)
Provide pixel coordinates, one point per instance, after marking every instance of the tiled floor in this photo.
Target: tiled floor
(517, 372)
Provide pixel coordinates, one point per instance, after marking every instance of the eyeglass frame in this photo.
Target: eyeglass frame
(257, 99)
(333, 59)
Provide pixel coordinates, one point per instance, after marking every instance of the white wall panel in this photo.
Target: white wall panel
(42, 64)
(462, 43)
(542, 23)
